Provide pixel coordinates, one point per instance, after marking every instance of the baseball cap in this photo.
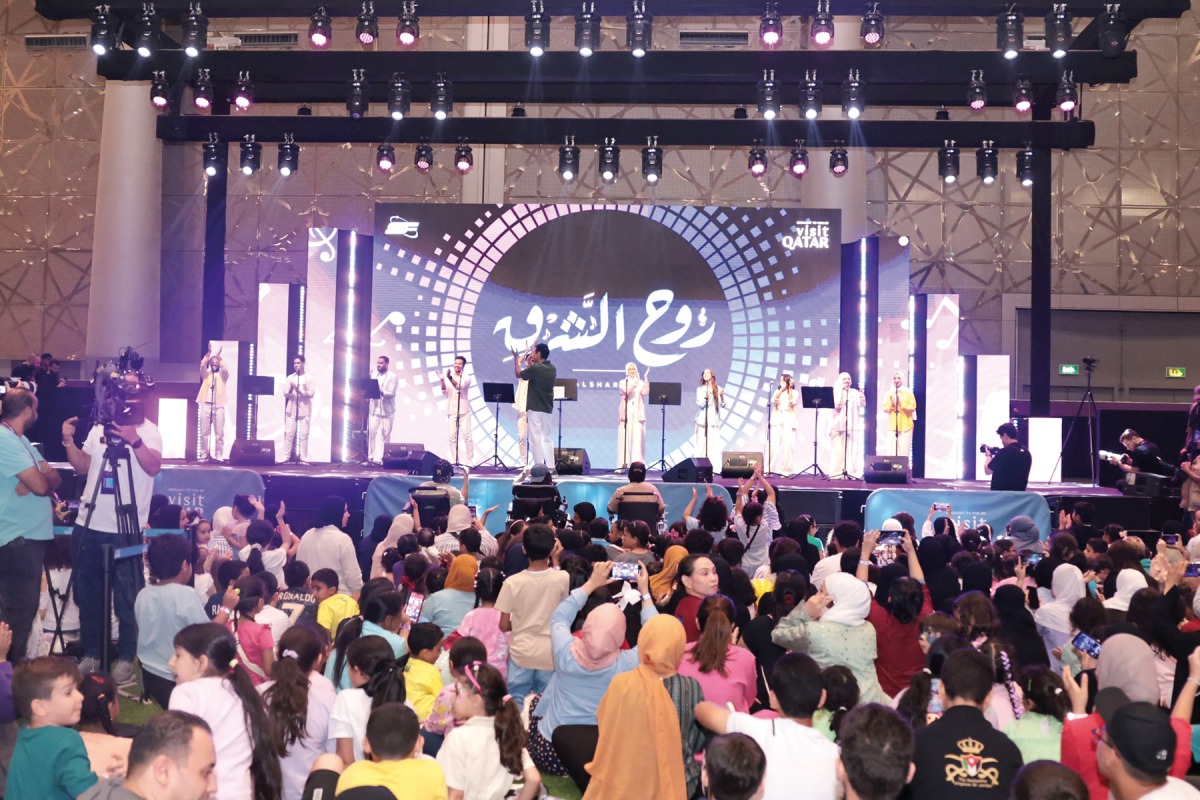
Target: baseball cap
(892, 524)
(1141, 733)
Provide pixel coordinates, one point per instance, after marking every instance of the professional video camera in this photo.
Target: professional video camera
(983, 448)
(120, 386)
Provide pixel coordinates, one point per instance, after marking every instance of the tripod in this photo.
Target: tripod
(495, 460)
(1090, 399)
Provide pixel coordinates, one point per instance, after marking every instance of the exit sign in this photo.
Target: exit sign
(1176, 372)
(1068, 369)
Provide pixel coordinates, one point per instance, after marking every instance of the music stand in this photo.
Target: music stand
(565, 390)
(664, 394)
(368, 389)
(815, 397)
(256, 385)
(497, 393)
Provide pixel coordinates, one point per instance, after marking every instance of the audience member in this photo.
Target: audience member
(393, 744)
(447, 608)
(327, 546)
(172, 757)
(876, 757)
(734, 766)
(695, 580)
(724, 670)
(49, 759)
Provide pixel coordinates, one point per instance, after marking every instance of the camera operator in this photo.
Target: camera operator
(211, 400)
(144, 443)
(1142, 456)
(1008, 465)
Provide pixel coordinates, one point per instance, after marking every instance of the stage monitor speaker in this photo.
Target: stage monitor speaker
(252, 453)
(691, 470)
(411, 458)
(740, 464)
(572, 461)
(886, 469)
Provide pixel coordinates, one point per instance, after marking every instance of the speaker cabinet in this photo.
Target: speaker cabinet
(740, 464)
(572, 461)
(691, 470)
(252, 453)
(886, 469)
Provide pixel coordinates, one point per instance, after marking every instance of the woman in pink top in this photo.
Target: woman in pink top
(724, 670)
(483, 621)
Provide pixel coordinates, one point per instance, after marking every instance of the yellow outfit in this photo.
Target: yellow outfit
(334, 610)
(410, 778)
(422, 683)
(900, 419)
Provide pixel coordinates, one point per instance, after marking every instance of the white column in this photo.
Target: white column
(123, 306)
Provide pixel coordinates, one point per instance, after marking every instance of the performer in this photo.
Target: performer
(845, 429)
(785, 426)
(539, 401)
(211, 400)
(1008, 465)
(297, 410)
(382, 411)
(1142, 456)
(631, 441)
(455, 385)
(900, 405)
(706, 443)
(519, 401)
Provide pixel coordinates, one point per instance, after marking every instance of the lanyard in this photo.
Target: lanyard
(24, 444)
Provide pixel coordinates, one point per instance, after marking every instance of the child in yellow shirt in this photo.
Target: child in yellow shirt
(333, 608)
(422, 680)
(393, 744)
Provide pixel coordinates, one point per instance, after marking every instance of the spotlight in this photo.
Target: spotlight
(741, 113)
(568, 160)
(251, 155)
(357, 94)
(289, 156)
(821, 29)
(320, 28)
(385, 157)
(610, 161)
(770, 26)
(652, 160)
(839, 161)
(1010, 32)
(798, 163)
(768, 96)
(757, 161)
(195, 31)
(202, 91)
(871, 29)
(903, 240)
(977, 91)
(243, 92)
(213, 156)
(423, 157)
(464, 158)
(1058, 30)
(399, 97)
(408, 29)
(160, 90)
(987, 163)
(1067, 96)
(105, 27)
(852, 99)
(148, 31)
(1114, 31)
(537, 29)
(1025, 165)
(442, 101)
(639, 29)
(366, 30)
(948, 162)
(1022, 97)
(810, 96)
(518, 112)
(587, 30)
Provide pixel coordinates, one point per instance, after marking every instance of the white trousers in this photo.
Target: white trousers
(713, 450)
(541, 448)
(847, 455)
(901, 446)
(461, 429)
(212, 416)
(379, 433)
(290, 433)
(523, 437)
(783, 450)
(633, 449)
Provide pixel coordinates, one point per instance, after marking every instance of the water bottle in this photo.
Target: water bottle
(662, 527)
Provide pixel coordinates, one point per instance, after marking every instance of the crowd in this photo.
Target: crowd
(732, 656)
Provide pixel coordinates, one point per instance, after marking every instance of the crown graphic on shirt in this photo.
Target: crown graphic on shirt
(970, 746)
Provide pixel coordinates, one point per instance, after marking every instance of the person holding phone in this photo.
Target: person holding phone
(1054, 618)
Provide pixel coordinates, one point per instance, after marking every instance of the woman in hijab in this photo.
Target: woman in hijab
(662, 584)
(1024, 534)
(1017, 627)
(1054, 618)
(657, 703)
(447, 608)
(457, 521)
(940, 577)
(1129, 581)
(328, 546)
(402, 525)
(836, 633)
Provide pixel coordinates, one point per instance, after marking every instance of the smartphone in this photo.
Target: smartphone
(934, 709)
(941, 506)
(413, 607)
(1030, 559)
(72, 505)
(1086, 644)
(1170, 538)
(1193, 570)
(624, 571)
(474, 510)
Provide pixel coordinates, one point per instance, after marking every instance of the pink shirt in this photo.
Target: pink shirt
(484, 625)
(254, 639)
(736, 687)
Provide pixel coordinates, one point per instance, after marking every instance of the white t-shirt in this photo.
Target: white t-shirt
(215, 702)
(276, 619)
(470, 759)
(830, 565)
(273, 561)
(104, 517)
(301, 754)
(348, 720)
(796, 755)
(1173, 789)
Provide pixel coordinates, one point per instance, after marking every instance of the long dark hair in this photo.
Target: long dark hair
(715, 619)
(1045, 692)
(372, 656)
(99, 690)
(297, 655)
(214, 641)
(487, 585)
(378, 601)
(841, 694)
(914, 705)
(510, 733)
(687, 565)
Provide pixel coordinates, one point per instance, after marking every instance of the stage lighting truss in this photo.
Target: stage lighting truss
(768, 96)
(251, 158)
(756, 162)
(441, 102)
(195, 31)
(609, 164)
(1114, 30)
(1067, 94)
(987, 163)
(1023, 96)
(1058, 30)
(770, 26)
(160, 90)
(820, 31)
(639, 30)
(399, 97)
(212, 155)
(464, 157)
(408, 28)
(948, 162)
(977, 91)
(1025, 165)
(652, 161)
(289, 156)
(320, 28)
(537, 29)
(852, 96)
(106, 30)
(366, 30)
(810, 95)
(798, 162)
(872, 29)
(385, 157)
(147, 31)
(423, 157)
(243, 91)
(568, 160)
(839, 161)
(587, 30)
(202, 90)
(1010, 32)
(358, 94)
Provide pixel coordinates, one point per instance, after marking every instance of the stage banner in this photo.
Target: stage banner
(205, 488)
(970, 508)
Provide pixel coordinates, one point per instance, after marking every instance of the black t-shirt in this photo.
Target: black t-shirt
(1010, 468)
(1147, 458)
(962, 757)
(299, 604)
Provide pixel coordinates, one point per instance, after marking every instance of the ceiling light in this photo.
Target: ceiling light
(871, 30)
(639, 29)
(464, 158)
(852, 98)
(105, 28)
(798, 163)
(821, 28)
(251, 155)
(587, 30)
(441, 103)
(202, 90)
(1058, 30)
(366, 30)
(160, 90)
(289, 156)
(399, 97)
(1114, 30)
(320, 28)
(408, 29)
(385, 157)
(770, 26)
(1023, 96)
(195, 31)
(214, 156)
(652, 161)
(537, 29)
(987, 163)
(147, 31)
(1067, 96)
(1025, 165)
(977, 91)
(1010, 33)
(357, 94)
(948, 162)
(768, 96)
(423, 157)
(741, 113)
(810, 96)
(757, 160)
(518, 112)
(839, 161)
(568, 160)
(243, 92)
(610, 161)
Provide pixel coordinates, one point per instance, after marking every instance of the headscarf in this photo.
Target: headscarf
(461, 576)
(402, 525)
(330, 511)
(662, 583)
(940, 578)
(1129, 581)
(599, 643)
(649, 764)
(1127, 663)
(1017, 626)
(1023, 533)
(1068, 588)
(851, 600)
(459, 519)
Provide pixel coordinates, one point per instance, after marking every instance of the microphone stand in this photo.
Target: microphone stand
(624, 467)
(707, 399)
(770, 406)
(845, 473)
(294, 451)
(896, 414)
(212, 414)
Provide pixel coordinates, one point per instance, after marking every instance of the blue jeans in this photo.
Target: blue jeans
(127, 581)
(523, 681)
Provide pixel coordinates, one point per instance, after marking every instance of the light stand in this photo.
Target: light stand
(1089, 364)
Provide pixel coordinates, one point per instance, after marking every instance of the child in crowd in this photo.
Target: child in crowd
(394, 748)
(1038, 733)
(485, 755)
(49, 761)
(332, 608)
(441, 719)
(269, 615)
(376, 678)
(228, 573)
(211, 683)
(382, 615)
(734, 766)
(483, 621)
(934, 627)
(297, 600)
(422, 680)
(841, 695)
(255, 644)
(106, 749)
